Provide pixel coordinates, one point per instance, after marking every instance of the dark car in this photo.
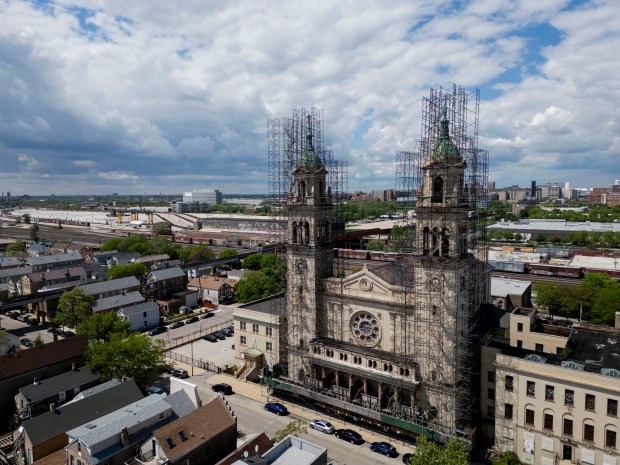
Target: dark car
(155, 390)
(211, 338)
(180, 373)
(178, 324)
(406, 458)
(349, 435)
(276, 407)
(221, 336)
(53, 330)
(222, 387)
(228, 332)
(67, 333)
(384, 448)
(26, 342)
(191, 320)
(206, 315)
(156, 331)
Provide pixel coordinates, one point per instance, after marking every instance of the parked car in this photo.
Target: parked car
(349, 435)
(228, 332)
(158, 330)
(384, 448)
(322, 425)
(191, 320)
(222, 387)
(67, 333)
(26, 342)
(207, 315)
(276, 407)
(180, 373)
(53, 330)
(155, 390)
(221, 336)
(211, 338)
(406, 457)
(177, 324)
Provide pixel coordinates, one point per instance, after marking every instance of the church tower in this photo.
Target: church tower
(310, 254)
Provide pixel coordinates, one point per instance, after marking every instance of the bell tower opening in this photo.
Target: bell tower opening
(437, 190)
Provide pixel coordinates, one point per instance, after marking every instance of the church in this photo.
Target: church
(391, 344)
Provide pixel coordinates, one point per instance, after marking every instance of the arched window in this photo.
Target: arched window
(437, 190)
(445, 242)
(302, 191)
(435, 246)
(426, 241)
(306, 232)
(294, 238)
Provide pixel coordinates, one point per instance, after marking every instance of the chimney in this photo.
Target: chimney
(73, 367)
(53, 407)
(124, 437)
(36, 381)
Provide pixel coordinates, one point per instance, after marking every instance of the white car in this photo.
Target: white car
(322, 425)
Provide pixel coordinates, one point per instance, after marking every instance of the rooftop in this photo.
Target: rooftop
(110, 285)
(48, 387)
(503, 287)
(117, 301)
(139, 308)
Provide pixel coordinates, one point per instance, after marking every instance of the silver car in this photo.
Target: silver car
(322, 425)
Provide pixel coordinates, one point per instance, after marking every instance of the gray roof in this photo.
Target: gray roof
(48, 387)
(51, 424)
(501, 287)
(272, 305)
(95, 390)
(167, 273)
(110, 286)
(46, 259)
(10, 261)
(117, 301)
(181, 403)
(139, 308)
(9, 273)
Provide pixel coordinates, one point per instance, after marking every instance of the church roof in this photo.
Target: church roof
(445, 146)
(309, 158)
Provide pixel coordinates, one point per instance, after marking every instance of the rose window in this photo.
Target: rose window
(365, 329)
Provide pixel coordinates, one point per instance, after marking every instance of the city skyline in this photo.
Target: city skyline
(105, 96)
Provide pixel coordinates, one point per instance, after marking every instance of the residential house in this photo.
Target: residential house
(36, 249)
(19, 369)
(290, 450)
(47, 433)
(256, 446)
(36, 397)
(114, 438)
(141, 316)
(213, 289)
(51, 262)
(32, 282)
(205, 435)
(163, 283)
(112, 287)
(258, 335)
(116, 302)
(10, 262)
(187, 298)
(151, 260)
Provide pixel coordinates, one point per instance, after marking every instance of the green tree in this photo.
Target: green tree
(112, 244)
(429, 452)
(34, 233)
(73, 308)
(38, 341)
(227, 253)
(18, 246)
(135, 356)
(605, 305)
(376, 245)
(26, 218)
(547, 295)
(295, 428)
(200, 253)
(253, 262)
(539, 237)
(123, 271)
(600, 280)
(257, 284)
(101, 326)
(508, 458)
(163, 228)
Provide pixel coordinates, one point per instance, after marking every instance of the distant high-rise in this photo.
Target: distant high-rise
(210, 196)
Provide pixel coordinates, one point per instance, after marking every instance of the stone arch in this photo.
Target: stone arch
(307, 232)
(302, 190)
(294, 232)
(426, 240)
(445, 241)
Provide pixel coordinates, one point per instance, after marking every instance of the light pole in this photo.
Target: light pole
(192, 347)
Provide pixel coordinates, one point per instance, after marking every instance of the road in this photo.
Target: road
(253, 419)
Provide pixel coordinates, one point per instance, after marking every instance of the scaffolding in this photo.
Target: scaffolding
(441, 290)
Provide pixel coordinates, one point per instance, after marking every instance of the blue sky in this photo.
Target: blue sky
(102, 96)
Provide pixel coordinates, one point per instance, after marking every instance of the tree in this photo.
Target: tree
(123, 271)
(605, 305)
(164, 228)
(539, 237)
(295, 428)
(135, 356)
(38, 341)
(508, 458)
(252, 262)
(73, 308)
(255, 285)
(18, 246)
(101, 327)
(26, 218)
(429, 452)
(376, 245)
(227, 253)
(200, 253)
(34, 233)
(112, 244)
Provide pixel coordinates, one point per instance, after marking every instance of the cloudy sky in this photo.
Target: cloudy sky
(150, 96)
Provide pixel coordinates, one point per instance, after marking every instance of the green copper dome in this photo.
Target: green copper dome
(309, 157)
(445, 148)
